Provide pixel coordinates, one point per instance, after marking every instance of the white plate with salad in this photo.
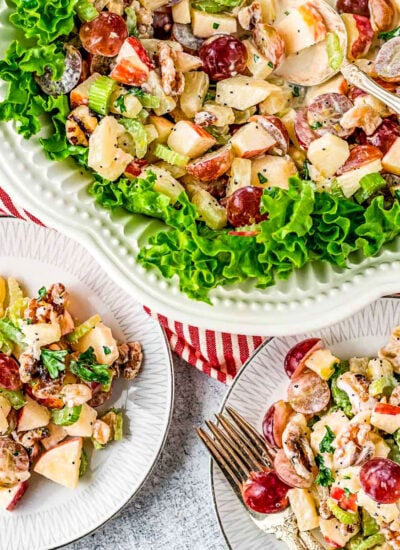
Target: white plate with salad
(86, 391)
(183, 116)
(326, 403)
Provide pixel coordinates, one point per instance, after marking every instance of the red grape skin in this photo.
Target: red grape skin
(243, 206)
(380, 480)
(104, 35)
(223, 56)
(385, 135)
(297, 356)
(275, 421)
(265, 493)
(9, 373)
(359, 7)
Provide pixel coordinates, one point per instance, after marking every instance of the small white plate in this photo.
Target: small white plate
(49, 515)
(262, 381)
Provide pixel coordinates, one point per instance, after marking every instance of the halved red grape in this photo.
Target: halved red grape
(9, 373)
(243, 206)
(275, 421)
(360, 7)
(223, 56)
(104, 35)
(325, 112)
(298, 355)
(15, 461)
(265, 493)
(287, 473)
(385, 135)
(380, 479)
(70, 77)
(308, 393)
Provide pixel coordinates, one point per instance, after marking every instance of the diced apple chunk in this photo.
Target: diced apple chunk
(100, 337)
(196, 86)
(186, 62)
(251, 140)
(301, 27)
(350, 181)
(61, 463)
(56, 434)
(336, 85)
(272, 171)
(241, 92)
(388, 423)
(32, 415)
(221, 115)
(277, 101)
(5, 406)
(334, 536)
(105, 157)
(181, 12)
(206, 24)
(257, 63)
(163, 127)
(322, 362)
(381, 512)
(153, 4)
(304, 508)
(189, 139)
(382, 450)
(328, 153)
(84, 425)
(166, 183)
(10, 496)
(41, 334)
(391, 161)
(240, 175)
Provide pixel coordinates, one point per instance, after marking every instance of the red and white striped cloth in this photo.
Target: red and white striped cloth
(218, 354)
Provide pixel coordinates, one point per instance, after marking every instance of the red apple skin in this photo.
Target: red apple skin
(211, 166)
(385, 408)
(359, 35)
(17, 497)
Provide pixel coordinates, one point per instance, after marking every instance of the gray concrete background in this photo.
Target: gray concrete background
(174, 509)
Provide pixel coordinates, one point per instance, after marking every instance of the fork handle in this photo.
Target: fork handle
(292, 541)
(288, 532)
(357, 77)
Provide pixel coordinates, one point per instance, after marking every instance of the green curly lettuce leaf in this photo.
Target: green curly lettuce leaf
(24, 102)
(302, 225)
(44, 20)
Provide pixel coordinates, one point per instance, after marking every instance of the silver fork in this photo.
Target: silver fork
(239, 449)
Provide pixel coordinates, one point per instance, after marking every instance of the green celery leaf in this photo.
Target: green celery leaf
(88, 369)
(326, 444)
(54, 361)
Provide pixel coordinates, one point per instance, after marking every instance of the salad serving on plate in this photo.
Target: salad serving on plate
(336, 441)
(54, 374)
(185, 112)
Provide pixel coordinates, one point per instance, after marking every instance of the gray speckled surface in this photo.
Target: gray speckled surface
(174, 509)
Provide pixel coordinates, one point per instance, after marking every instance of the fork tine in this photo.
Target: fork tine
(245, 446)
(226, 464)
(263, 447)
(231, 447)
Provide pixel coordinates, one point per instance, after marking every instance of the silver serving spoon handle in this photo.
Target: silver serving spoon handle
(310, 67)
(354, 75)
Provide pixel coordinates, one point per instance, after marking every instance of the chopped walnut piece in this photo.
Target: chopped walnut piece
(173, 81)
(130, 359)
